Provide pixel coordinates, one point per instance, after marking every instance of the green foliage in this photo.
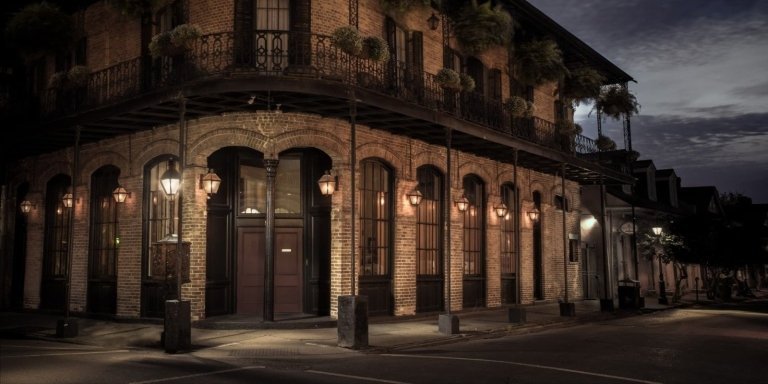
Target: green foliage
(519, 107)
(616, 101)
(348, 39)
(402, 5)
(568, 128)
(605, 143)
(375, 48)
(175, 41)
(467, 82)
(78, 76)
(539, 61)
(479, 27)
(40, 28)
(448, 78)
(582, 84)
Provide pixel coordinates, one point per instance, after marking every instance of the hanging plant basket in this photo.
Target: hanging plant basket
(466, 82)
(616, 101)
(539, 61)
(174, 42)
(78, 76)
(605, 143)
(39, 29)
(375, 48)
(448, 79)
(347, 38)
(517, 106)
(479, 27)
(582, 84)
(58, 80)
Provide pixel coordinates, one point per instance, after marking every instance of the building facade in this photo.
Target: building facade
(266, 98)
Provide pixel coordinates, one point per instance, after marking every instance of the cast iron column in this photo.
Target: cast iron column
(269, 259)
(565, 235)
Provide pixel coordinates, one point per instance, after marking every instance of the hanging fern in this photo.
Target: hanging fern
(375, 48)
(582, 84)
(605, 143)
(175, 41)
(40, 28)
(539, 61)
(347, 38)
(517, 106)
(78, 76)
(616, 101)
(448, 78)
(479, 27)
(467, 82)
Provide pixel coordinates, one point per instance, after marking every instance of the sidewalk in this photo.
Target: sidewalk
(385, 334)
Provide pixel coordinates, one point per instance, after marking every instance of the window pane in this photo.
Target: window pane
(252, 190)
(288, 186)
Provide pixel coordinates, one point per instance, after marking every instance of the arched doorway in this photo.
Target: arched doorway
(102, 260)
(55, 248)
(236, 234)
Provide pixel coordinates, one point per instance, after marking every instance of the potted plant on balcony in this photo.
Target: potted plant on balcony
(519, 107)
(448, 79)
(605, 143)
(615, 101)
(375, 48)
(539, 61)
(78, 76)
(174, 42)
(479, 27)
(568, 128)
(38, 29)
(466, 82)
(347, 38)
(582, 84)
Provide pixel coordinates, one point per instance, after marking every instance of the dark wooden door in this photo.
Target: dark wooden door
(250, 270)
(288, 276)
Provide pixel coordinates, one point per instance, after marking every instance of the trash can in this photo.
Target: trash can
(629, 294)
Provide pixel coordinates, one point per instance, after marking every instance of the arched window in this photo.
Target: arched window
(56, 247)
(429, 240)
(474, 242)
(102, 271)
(375, 241)
(538, 260)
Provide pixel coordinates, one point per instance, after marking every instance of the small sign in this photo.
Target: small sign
(286, 250)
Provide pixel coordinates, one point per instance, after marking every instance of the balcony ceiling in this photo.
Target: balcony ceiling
(329, 99)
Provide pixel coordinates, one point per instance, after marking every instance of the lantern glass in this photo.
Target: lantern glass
(210, 183)
(415, 196)
(656, 231)
(462, 203)
(327, 184)
(68, 200)
(534, 215)
(501, 210)
(171, 180)
(26, 206)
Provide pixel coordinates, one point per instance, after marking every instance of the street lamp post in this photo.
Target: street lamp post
(662, 289)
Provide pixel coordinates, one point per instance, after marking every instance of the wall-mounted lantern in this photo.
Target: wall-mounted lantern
(327, 184)
(534, 215)
(656, 231)
(68, 200)
(414, 196)
(433, 22)
(210, 183)
(501, 210)
(462, 203)
(27, 206)
(120, 194)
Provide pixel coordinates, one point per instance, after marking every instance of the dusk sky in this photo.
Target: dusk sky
(702, 82)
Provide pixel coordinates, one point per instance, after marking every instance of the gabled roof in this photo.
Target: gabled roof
(702, 198)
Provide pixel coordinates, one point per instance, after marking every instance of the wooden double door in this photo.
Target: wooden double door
(251, 257)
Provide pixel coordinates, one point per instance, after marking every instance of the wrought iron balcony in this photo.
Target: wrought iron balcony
(301, 55)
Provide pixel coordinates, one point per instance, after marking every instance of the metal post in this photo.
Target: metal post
(269, 259)
(607, 301)
(449, 201)
(353, 190)
(662, 289)
(68, 327)
(179, 194)
(516, 222)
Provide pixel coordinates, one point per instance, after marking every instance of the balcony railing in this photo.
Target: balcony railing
(292, 54)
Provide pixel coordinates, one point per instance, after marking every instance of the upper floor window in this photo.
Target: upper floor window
(560, 202)
(271, 15)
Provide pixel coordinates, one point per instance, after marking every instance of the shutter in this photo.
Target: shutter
(300, 40)
(494, 84)
(417, 54)
(391, 33)
(243, 32)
